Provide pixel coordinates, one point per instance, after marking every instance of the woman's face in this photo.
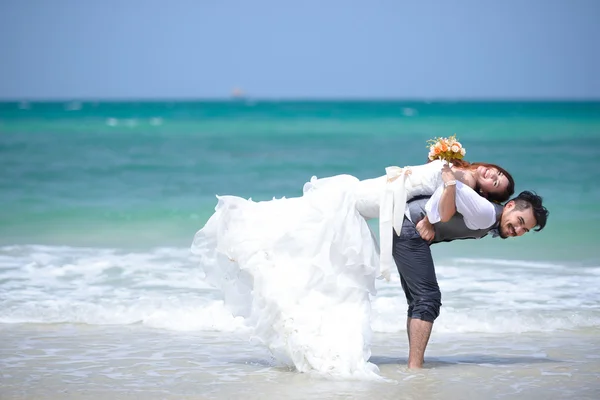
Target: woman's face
(491, 181)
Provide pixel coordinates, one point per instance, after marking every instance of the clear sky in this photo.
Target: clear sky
(138, 49)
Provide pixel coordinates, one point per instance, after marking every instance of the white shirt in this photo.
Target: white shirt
(478, 212)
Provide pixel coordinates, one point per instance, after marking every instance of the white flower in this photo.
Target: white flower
(463, 152)
(455, 148)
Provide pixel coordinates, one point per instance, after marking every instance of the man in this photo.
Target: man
(455, 211)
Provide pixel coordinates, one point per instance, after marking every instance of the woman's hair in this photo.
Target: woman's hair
(495, 197)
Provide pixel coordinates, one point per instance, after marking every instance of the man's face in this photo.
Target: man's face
(516, 222)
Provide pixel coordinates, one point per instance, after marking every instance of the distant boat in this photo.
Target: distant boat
(238, 93)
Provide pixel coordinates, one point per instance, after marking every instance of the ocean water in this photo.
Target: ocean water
(100, 296)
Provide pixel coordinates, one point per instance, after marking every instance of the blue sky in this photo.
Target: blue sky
(422, 49)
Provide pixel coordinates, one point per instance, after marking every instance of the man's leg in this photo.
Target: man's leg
(415, 265)
(418, 337)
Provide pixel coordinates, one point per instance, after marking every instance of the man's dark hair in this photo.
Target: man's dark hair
(526, 200)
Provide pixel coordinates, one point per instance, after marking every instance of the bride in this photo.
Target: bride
(300, 270)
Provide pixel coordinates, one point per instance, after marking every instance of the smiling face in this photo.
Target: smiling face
(491, 181)
(516, 222)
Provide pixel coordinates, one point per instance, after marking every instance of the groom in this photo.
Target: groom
(437, 219)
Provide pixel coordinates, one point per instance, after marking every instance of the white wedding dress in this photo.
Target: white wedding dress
(301, 270)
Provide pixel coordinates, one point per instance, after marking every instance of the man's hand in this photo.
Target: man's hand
(425, 229)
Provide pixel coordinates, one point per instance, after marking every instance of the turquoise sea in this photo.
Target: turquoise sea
(146, 174)
(100, 201)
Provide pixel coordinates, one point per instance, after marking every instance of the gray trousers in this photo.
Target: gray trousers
(417, 273)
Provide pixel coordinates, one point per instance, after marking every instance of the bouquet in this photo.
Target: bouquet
(446, 149)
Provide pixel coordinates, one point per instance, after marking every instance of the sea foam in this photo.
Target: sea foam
(163, 288)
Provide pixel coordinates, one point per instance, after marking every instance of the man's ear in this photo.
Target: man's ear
(509, 205)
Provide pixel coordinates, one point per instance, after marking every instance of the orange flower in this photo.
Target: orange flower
(445, 148)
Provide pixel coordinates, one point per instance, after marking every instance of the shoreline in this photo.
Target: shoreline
(93, 362)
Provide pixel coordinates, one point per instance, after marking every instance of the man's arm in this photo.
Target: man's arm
(478, 212)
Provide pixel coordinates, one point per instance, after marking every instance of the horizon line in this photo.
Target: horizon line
(274, 99)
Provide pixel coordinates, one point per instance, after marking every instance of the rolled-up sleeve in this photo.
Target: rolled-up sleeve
(477, 212)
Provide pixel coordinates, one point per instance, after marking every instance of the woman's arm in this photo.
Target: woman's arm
(447, 201)
(465, 177)
(477, 212)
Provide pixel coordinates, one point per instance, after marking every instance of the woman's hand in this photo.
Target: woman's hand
(447, 174)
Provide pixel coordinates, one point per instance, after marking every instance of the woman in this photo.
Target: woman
(385, 197)
(300, 270)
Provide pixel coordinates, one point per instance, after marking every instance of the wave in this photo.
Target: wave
(163, 288)
(515, 263)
